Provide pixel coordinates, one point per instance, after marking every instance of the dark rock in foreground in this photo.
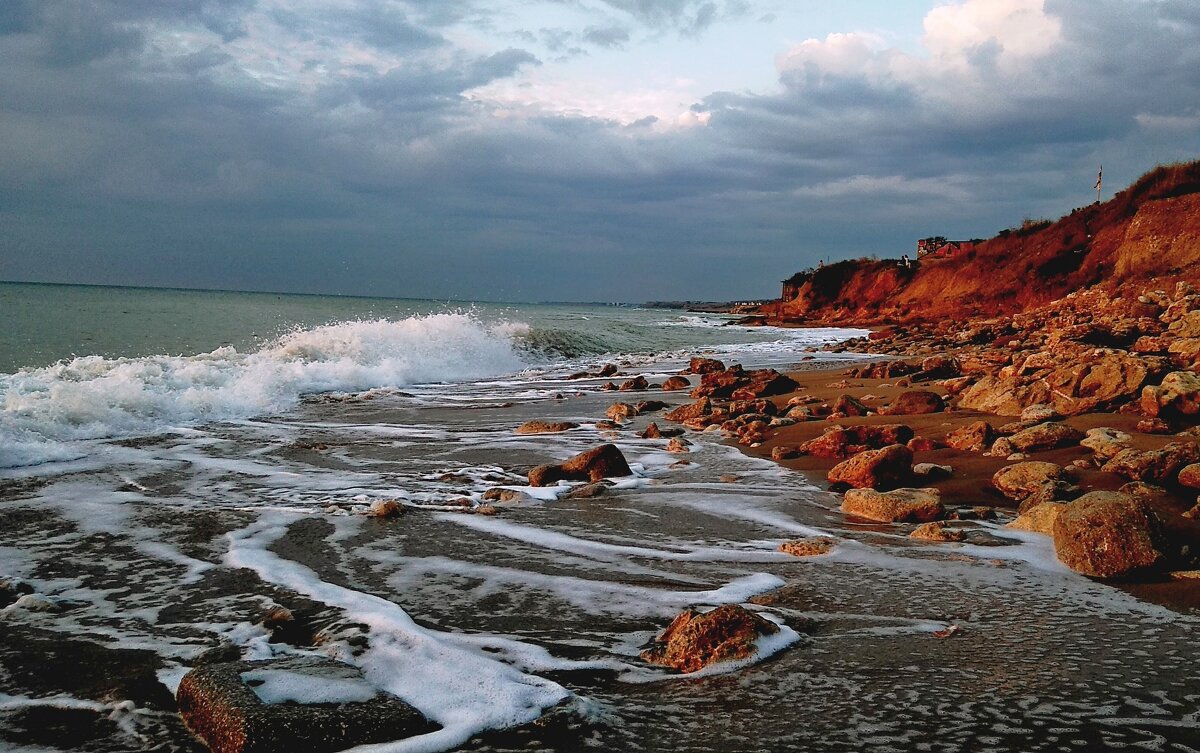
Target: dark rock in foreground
(219, 705)
(1108, 535)
(605, 461)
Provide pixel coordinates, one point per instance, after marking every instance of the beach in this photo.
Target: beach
(512, 616)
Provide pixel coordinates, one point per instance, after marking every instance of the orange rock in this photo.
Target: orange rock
(695, 640)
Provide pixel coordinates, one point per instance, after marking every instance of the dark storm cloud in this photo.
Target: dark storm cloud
(345, 152)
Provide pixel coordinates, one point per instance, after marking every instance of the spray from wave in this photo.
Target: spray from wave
(93, 397)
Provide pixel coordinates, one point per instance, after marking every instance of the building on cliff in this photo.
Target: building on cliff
(938, 246)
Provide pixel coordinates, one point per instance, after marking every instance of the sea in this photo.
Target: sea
(174, 464)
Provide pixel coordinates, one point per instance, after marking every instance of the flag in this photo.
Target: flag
(1099, 178)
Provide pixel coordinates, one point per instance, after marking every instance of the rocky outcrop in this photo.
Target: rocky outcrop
(1108, 535)
(282, 705)
(885, 468)
(605, 461)
(695, 640)
(1154, 466)
(895, 506)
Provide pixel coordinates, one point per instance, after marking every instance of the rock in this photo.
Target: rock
(607, 370)
(896, 506)
(1178, 394)
(601, 462)
(12, 589)
(784, 452)
(841, 441)
(1108, 535)
(1142, 490)
(605, 425)
(588, 491)
(1189, 476)
(509, 496)
(221, 704)
(652, 432)
(649, 406)
(932, 471)
(1099, 380)
(884, 468)
(1153, 426)
(695, 640)
(808, 547)
(764, 383)
(937, 531)
(698, 409)
(608, 387)
(921, 444)
(915, 402)
(1039, 412)
(35, 602)
(545, 427)
(621, 411)
(705, 366)
(675, 383)
(1055, 491)
(678, 445)
(1003, 396)
(1156, 466)
(636, 384)
(847, 405)
(974, 437)
(1106, 442)
(1023, 479)
(1045, 436)
(1039, 519)
(385, 508)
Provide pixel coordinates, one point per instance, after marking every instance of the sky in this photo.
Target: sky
(586, 150)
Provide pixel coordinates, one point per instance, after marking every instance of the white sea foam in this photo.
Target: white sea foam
(93, 397)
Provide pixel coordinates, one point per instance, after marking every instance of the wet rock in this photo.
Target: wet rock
(621, 411)
(785, 452)
(679, 445)
(545, 427)
(848, 405)
(508, 496)
(974, 437)
(588, 491)
(885, 468)
(1039, 519)
(607, 370)
(675, 383)
(698, 409)
(221, 704)
(896, 506)
(12, 589)
(649, 406)
(1156, 466)
(1108, 535)
(811, 546)
(1045, 436)
(695, 640)
(607, 425)
(1106, 442)
(636, 384)
(705, 366)
(915, 402)
(385, 508)
(35, 602)
(608, 387)
(605, 461)
(1024, 479)
(937, 531)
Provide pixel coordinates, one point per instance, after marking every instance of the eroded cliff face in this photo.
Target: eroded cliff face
(1150, 231)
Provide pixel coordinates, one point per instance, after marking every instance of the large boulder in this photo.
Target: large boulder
(915, 402)
(1108, 535)
(605, 461)
(1099, 380)
(291, 704)
(1021, 480)
(1004, 396)
(974, 437)
(545, 427)
(695, 639)
(1045, 436)
(895, 506)
(885, 468)
(1154, 466)
(1179, 394)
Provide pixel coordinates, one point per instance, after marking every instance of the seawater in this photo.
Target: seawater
(167, 481)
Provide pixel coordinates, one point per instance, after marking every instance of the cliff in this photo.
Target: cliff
(1149, 231)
